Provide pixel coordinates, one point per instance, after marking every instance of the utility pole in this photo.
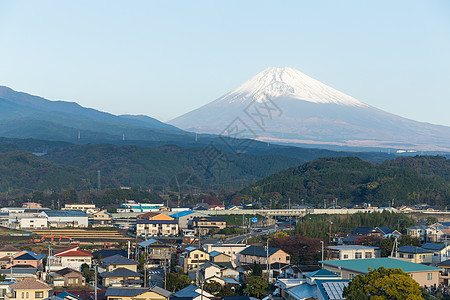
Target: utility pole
(321, 244)
(267, 260)
(95, 281)
(99, 180)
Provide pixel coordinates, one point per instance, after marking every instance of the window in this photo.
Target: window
(27, 295)
(400, 255)
(345, 256)
(358, 255)
(368, 255)
(429, 276)
(350, 276)
(410, 256)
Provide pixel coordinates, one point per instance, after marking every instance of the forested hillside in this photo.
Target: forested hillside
(352, 180)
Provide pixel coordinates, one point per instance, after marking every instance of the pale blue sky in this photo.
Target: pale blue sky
(165, 58)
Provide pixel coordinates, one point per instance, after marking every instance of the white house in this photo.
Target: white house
(232, 250)
(71, 257)
(441, 252)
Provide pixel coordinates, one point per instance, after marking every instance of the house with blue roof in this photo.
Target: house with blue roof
(414, 254)
(185, 218)
(27, 258)
(192, 292)
(320, 284)
(441, 252)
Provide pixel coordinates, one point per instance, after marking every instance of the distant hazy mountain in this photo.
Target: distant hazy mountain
(286, 106)
(27, 116)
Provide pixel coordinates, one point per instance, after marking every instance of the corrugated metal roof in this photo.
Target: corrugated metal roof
(363, 265)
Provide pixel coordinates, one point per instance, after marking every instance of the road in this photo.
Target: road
(240, 239)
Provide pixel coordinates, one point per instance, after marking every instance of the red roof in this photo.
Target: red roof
(72, 251)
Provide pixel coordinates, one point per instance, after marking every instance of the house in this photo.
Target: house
(192, 257)
(258, 254)
(233, 250)
(65, 218)
(185, 218)
(295, 272)
(310, 288)
(117, 261)
(8, 250)
(441, 252)
(435, 233)
(385, 232)
(414, 254)
(444, 275)
(223, 281)
(100, 218)
(353, 252)
(157, 251)
(193, 292)
(20, 272)
(29, 288)
(348, 269)
(419, 232)
(208, 225)
(331, 289)
(154, 216)
(217, 207)
(27, 258)
(67, 277)
(204, 271)
(72, 257)
(219, 257)
(129, 293)
(121, 277)
(369, 231)
(156, 228)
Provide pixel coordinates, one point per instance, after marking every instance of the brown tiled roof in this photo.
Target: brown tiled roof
(147, 216)
(30, 284)
(66, 271)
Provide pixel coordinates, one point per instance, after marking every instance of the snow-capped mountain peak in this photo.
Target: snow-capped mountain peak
(279, 82)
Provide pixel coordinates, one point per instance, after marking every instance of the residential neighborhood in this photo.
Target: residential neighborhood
(184, 254)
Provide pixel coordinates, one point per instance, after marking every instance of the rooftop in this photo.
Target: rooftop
(120, 272)
(30, 284)
(433, 246)
(118, 260)
(352, 247)
(65, 213)
(413, 249)
(365, 265)
(259, 251)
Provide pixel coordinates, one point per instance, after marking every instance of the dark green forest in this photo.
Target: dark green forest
(410, 180)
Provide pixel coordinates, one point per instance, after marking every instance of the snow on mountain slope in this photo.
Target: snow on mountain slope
(284, 105)
(288, 82)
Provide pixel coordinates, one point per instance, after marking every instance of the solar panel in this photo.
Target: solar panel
(334, 289)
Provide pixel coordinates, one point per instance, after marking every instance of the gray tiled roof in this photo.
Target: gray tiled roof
(117, 260)
(258, 251)
(120, 272)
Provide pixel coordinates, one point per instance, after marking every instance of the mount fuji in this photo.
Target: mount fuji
(283, 105)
